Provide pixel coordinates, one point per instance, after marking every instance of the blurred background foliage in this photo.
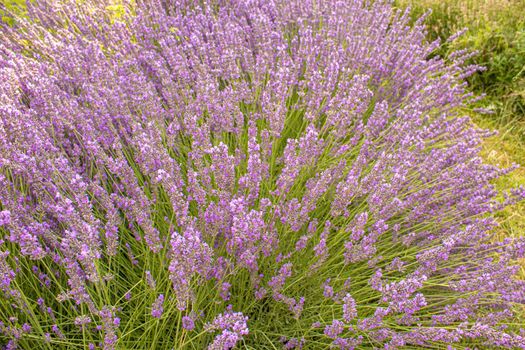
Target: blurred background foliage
(496, 29)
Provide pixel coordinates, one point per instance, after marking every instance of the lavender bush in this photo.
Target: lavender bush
(258, 174)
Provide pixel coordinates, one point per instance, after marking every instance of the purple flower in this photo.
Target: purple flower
(157, 309)
(26, 328)
(333, 330)
(349, 308)
(5, 217)
(150, 280)
(233, 326)
(188, 323)
(83, 320)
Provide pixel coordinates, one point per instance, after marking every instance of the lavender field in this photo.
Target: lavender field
(249, 174)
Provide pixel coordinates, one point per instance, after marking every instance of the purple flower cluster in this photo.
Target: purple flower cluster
(305, 161)
(157, 308)
(233, 326)
(188, 323)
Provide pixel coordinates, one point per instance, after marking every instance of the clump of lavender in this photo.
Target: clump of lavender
(186, 174)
